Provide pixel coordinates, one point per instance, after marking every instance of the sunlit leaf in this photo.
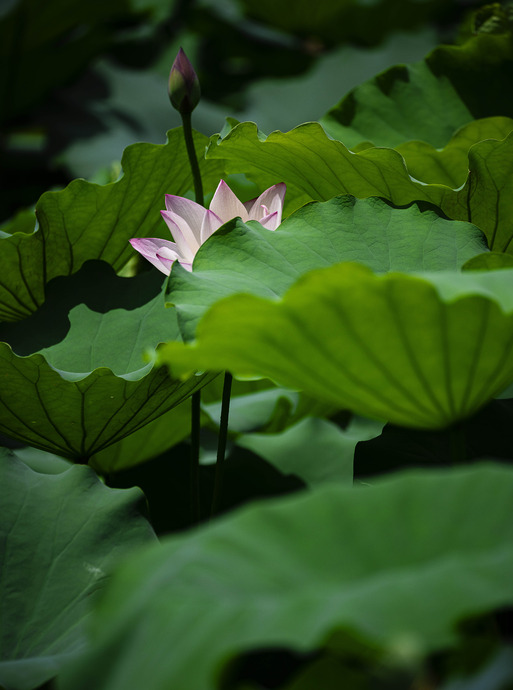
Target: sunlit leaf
(420, 351)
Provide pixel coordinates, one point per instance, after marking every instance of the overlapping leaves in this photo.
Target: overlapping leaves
(247, 258)
(92, 387)
(421, 351)
(88, 221)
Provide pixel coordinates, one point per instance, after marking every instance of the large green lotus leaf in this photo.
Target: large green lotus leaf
(398, 563)
(249, 258)
(60, 534)
(316, 167)
(487, 197)
(89, 221)
(92, 387)
(428, 100)
(419, 351)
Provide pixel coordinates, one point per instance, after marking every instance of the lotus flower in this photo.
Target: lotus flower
(191, 224)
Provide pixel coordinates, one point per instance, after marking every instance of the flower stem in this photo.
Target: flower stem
(196, 397)
(193, 160)
(195, 452)
(458, 445)
(221, 447)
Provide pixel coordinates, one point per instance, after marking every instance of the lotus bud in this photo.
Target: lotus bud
(183, 87)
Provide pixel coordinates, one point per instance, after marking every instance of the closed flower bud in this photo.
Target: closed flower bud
(183, 87)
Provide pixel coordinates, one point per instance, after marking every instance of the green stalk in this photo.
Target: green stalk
(221, 447)
(195, 451)
(458, 443)
(196, 397)
(193, 160)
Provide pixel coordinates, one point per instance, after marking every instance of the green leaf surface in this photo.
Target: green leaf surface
(294, 572)
(487, 199)
(60, 534)
(316, 167)
(315, 450)
(449, 165)
(420, 351)
(73, 378)
(251, 259)
(489, 261)
(146, 443)
(428, 100)
(89, 221)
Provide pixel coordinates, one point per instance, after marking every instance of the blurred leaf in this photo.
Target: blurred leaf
(420, 351)
(293, 572)
(40, 461)
(60, 535)
(253, 410)
(88, 221)
(92, 387)
(315, 450)
(278, 103)
(338, 21)
(428, 100)
(248, 258)
(43, 46)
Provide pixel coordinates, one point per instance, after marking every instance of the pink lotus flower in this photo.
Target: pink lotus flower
(191, 224)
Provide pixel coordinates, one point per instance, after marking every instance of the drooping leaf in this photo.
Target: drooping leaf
(489, 261)
(73, 378)
(449, 165)
(251, 259)
(486, 198)
(60, 534)
(428, 100)
(294, 572)
(315, 450)
(253, 410)
(89, 221)
(420, 351)
(146, 443)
